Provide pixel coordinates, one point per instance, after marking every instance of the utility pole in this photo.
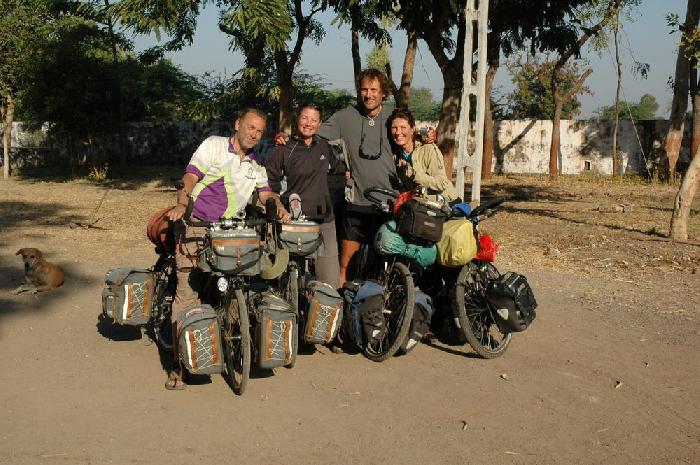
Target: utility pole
(465, 157)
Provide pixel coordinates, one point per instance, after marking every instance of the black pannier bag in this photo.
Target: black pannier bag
(512, 301)
(423, 311)
(420, 220)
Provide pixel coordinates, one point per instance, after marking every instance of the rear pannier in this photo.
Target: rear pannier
(199, 340)
(127, 296)
(513, 302)
(420, 325)
(277, 331)
(324, 313)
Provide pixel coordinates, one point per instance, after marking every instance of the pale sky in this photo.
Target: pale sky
(647, 38)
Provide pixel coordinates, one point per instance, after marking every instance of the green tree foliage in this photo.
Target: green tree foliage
(645, 109)
(25, 26)
(423, 105)
(532, 96)
(378, 57)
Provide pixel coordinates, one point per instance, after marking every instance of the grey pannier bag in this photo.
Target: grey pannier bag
(127, 296)
(301, 237)
(199, 340)
(324, 313)
(234, 251)
(276, 331)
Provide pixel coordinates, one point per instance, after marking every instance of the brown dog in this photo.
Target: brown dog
(39, 274)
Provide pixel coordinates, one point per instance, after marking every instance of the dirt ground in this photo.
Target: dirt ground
(608, 373)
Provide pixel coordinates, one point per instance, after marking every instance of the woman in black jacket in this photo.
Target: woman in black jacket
(305, 161)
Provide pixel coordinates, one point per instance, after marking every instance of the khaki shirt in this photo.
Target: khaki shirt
(427, 170)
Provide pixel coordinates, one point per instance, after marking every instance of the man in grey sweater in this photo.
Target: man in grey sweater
(369, 159)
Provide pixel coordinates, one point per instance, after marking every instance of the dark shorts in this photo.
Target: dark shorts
(360, 225)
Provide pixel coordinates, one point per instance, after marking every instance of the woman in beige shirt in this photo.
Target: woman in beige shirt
(418, 164)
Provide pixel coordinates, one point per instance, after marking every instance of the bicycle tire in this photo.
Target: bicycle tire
(475, 318)
(398, 320)
(293, 294)
(237, 343)
(161, 318)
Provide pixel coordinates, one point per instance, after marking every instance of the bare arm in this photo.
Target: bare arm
(189, 180)
(282, 213)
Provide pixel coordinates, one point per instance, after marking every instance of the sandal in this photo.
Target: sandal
(175, 384)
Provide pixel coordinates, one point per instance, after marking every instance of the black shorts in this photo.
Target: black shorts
(361, 224)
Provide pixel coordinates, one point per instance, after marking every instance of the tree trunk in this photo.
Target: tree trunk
(120, 96)
(449, 114)
(695, 95)
(684, 200)
(451, 70)
(679, 106)
(355, 48)
(8, 119)
(616, 165)
(403, 93)
(286, 112)
(556, 136)
(558, 98)
(493, 54)
(489, 134)
(254, 57)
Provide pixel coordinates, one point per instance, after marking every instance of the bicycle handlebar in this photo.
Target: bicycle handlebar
(489, 204)
(247, 222)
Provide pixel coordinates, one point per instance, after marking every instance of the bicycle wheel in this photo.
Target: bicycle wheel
(236, 342)
(161, 324)
(399, 298)
(475, 318)
(292, 291)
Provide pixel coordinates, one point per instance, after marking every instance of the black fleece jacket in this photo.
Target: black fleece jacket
(306, 168)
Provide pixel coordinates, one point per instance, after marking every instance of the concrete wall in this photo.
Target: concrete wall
(522, 146)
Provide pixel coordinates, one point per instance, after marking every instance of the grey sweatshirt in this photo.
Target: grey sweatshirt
(351, 126)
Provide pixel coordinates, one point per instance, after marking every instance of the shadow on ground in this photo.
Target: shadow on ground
(156, 176)
(16, 212)
(12, 275)
(560, 216)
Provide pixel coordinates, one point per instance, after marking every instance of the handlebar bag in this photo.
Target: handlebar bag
(127, 295)
(199, 340)
(513, 302)
(420, 220)
(423, 310)
(276, 331)
(302, 238)
(323, 314)
(234, 251)
(457, 247)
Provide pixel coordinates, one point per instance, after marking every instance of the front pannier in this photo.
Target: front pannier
(364, 320)
(199, 340)
(420, 324)
(301, 237)
(324, 313)
(127, 296)
(513, 302)
(276, 331)
(420, 220)
(234, 251)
